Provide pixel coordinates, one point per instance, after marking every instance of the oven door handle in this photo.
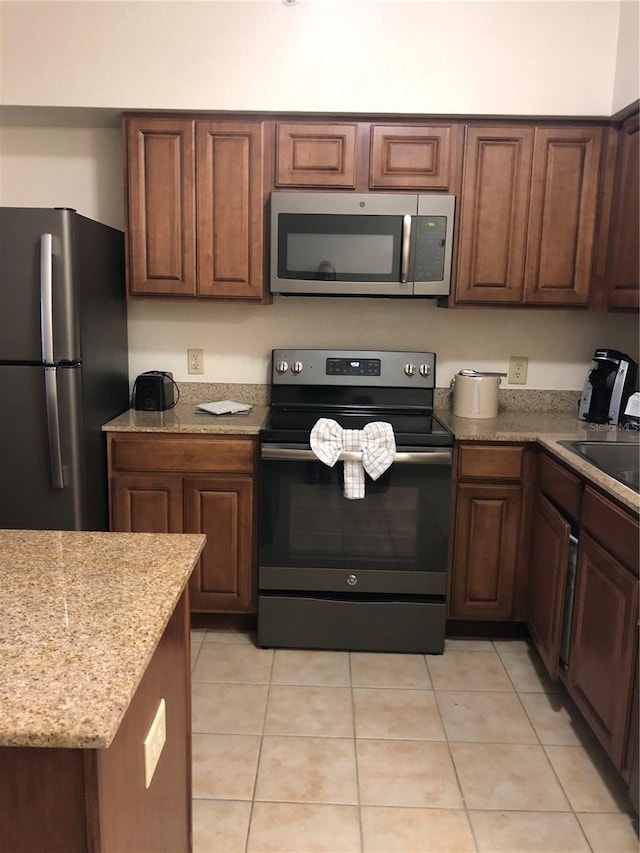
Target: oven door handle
(409, 457)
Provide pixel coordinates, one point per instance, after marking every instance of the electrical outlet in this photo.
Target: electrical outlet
(195, 361)
(154, 742)
(518, 370)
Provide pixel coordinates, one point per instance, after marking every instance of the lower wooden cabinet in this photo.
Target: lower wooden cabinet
(486, 580)
(600, 676)
(600, 662)
(180, 484)
(556, 509)
(222, 507)
(550, 535)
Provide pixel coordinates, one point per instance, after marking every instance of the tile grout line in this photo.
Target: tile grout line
(264, 724)
(453, 763)
(355, 753)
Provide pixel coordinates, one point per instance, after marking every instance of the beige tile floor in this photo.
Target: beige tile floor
(473, 750)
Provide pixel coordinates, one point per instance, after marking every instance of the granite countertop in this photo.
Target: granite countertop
(548, 429)
(82, 614)
(187, 419)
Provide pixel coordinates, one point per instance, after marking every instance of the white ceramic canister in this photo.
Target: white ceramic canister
(475, 394)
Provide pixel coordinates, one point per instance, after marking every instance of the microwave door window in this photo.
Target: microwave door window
(316, 247)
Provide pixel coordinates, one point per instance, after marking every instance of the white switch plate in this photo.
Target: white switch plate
(518, 370)
(154, 742)
(195, 361)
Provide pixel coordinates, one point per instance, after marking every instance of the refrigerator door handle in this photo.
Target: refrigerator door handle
(46, 296)
(53, 422)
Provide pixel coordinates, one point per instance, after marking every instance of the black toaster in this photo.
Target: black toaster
(153, 391)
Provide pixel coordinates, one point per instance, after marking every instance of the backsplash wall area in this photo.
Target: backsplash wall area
(237, 339)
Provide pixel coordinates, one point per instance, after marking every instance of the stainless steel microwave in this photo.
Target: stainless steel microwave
(361, 244)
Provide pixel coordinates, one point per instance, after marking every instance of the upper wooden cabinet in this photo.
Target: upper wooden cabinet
(362, 156)
(414, 156)
(623, 259)
(316, 155)
(161, 206)
(196, 195)
(528, 213)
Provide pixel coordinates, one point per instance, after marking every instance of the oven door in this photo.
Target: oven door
(394, 541)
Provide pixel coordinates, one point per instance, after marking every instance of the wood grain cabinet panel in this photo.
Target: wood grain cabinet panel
(161, 239)
(562, 215)
(230, 203)
(147, 503)
(623, 259)
(494, 214)
(528, 215)
(413, 156)
(485, 551)
(604, 641)
(316, 155)
(548, 563)
(223, 509)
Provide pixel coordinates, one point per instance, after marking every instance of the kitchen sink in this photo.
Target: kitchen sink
(619, 459)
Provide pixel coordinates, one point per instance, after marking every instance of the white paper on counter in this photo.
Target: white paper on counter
(224, 407)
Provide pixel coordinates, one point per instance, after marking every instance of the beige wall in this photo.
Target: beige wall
(627, 77)
(81, 167)
(555, 57)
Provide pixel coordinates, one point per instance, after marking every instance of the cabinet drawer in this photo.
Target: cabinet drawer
(490, 461)
(615, 529)
(558, 484)
(178, 453)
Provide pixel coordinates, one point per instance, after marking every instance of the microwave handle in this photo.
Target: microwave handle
(406, 246)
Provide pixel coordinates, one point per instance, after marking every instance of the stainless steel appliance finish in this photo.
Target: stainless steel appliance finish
(619, 459)
(367, 574)
(361, 244)
(608, 386)
(63, 366)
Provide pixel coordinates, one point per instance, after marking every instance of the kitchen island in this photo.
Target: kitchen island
(94, 634)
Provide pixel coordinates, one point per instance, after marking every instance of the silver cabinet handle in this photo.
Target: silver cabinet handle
(294, 454)
(406, 245)
(46, 297)
(53, 423)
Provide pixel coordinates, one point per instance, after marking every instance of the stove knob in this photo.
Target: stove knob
(282, 367)
(425, 370)
(296, 367)
(352, 580)
(410, 369)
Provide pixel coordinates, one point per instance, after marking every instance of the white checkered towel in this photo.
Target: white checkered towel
(375, 442)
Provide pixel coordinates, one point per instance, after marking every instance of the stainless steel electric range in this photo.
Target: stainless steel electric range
(366, 574)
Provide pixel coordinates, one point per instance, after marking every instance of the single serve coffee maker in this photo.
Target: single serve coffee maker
(609, 384)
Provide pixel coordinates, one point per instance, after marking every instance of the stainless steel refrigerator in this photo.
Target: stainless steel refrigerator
(63, 366)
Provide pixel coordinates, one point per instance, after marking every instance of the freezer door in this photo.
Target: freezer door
(38, 265)
(36, 492)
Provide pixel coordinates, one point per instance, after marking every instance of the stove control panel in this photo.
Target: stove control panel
(354, 368)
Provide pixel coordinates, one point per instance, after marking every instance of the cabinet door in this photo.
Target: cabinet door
(562, 215)
(222, 507)
(623, 259)
(146, 503)
(316, 155)
(161, 207)
(603, 645)
(485, 551)
(413, 156)
(230, 200)
(547, 581)
(493, 214)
